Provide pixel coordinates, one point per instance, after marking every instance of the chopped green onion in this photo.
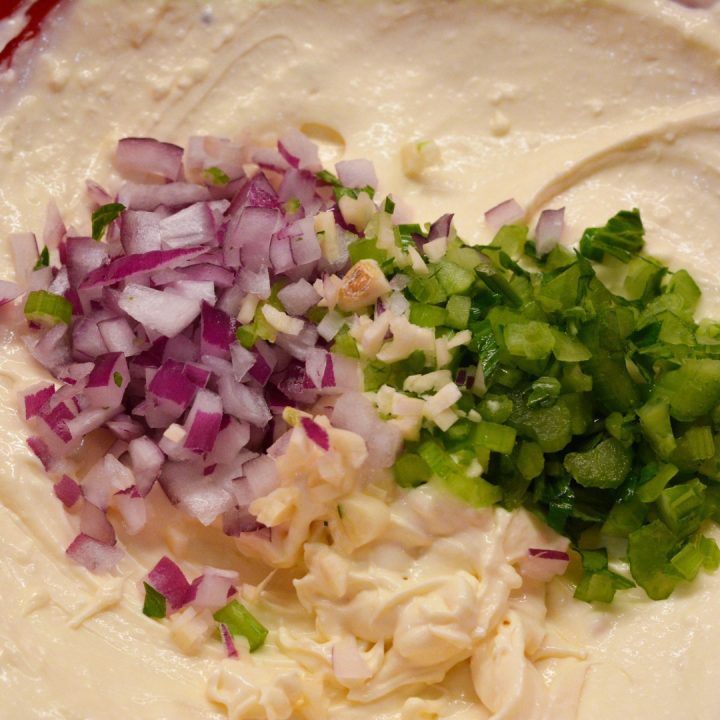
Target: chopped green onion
(44, 307)
(155, 605)
(239, 621)
(43, 260)
(216, 176)
(103, 216)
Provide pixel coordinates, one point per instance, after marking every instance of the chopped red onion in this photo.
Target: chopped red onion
(9, 291)
(316, 433)
(213, 588)
(146, 155)
(228, 641)
(544, 564)
(25, 255)
(164, 312)
(506, 213)
(132, 508)
(94, 555)
(548, 230)
(67, 491)
(299, 151)
(34, 399)
(169, 580)
(203, 422)
(298, 297)
(356, 173)
(94, 523)
(107, 382)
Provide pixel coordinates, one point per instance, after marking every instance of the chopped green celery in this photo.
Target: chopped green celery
(613, 388)
(376, 374)
(495, 437)
(463, 256)
(427, 315)
(594, 559)
(688, 561)
(682, 284)
(454, 279)
(567, 349)
(674, 330)
(649, 549)
(460, 432)
(654, 479)
(482, 455)
(550, 427)
(427, 290)
(682, 507)
(475, 491)
(410, 470)
(239, 621)
(601, 586)
(47, 308)
(657, 428)
(625, 517)
(404, 235)
(581, 413)
(495, 408)
(595, 587)
(604, 466)
(529, 459)
(696, 444)
(533, 340)
(575, 380)
(560, 290)
(458, 312)
(544, 392)
(644, 275)
(344, 344)
(691, 390)
(622, 237)
(710, 552)
(508, 377)
(366, 249)
(439, 462)
(511, 239)
(620, 427)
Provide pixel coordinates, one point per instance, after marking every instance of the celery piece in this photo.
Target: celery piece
(654, 478)
(567, 349)
(533, 340)
(529, 459)
(474, 491)
(649, 549)
(495, 408)
(465, 257)
(682, 507)
(595, 587)
(604, 466)
(688, 561)
(511, 239)
(344, 344)
(625, 517)
(682, 284)
(47, 308)
(613, 388)
(410, 470)
(544, 392)
(550, 427)
(560, 290)
(458, 312)
(692, 390)
(239, 621)
(620, 427)
(656, 427)
(644, 275)
(427, 290)
(575, 380)
(710, 553)
(454, 279)
(427, 315)
(439, 462)
(697, 443)
(495, 437)
(366, 249)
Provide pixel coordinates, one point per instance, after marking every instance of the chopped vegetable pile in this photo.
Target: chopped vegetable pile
(226, 284)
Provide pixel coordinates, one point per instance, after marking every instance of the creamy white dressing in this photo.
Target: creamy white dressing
(592, 106)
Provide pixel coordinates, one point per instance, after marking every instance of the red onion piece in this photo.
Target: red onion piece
(93, 555)
(228, 641)
(548, 230)
(104, 479)
(35, 398)
(164, 312)
(213, 588)
(506, 213)
(299, 151)
(244, 402)
(298, 297)
(146, 460)
(193, 225)
(94, 523)
(203, 422)
(544, 564)
(356, 173)
(25, 254)
(67, 491)
(133, 511)
(216, 331)
(316, 433)
(107, 381)
(146, 155)
(9, 291)
(169, 580)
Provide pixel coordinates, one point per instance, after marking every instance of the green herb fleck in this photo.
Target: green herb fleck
(43, 259)
(102, 218)
(216, 176)
(155, 605)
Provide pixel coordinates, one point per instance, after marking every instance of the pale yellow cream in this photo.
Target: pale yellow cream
(592, 105)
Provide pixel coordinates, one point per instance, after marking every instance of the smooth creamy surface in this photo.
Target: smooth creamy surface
(593, 105)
